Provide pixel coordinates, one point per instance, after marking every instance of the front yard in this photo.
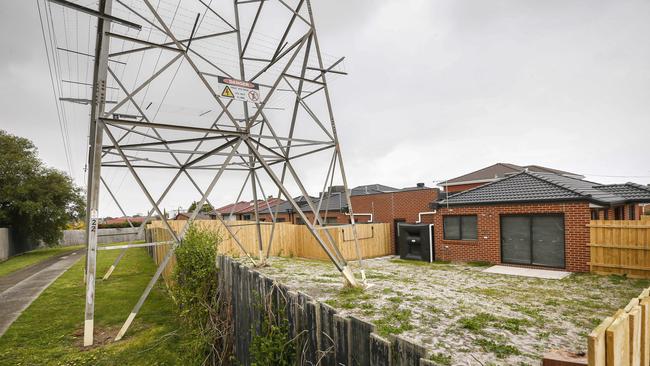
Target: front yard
(463, 315)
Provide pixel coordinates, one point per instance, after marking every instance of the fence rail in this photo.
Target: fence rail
(288, 240)
(624, 338)
(620, 247)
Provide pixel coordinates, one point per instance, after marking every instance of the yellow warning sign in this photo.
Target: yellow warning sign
(227, 92)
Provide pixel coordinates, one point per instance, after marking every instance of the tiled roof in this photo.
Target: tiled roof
(233, 207)
(522, 187)
(246, 206)
(333, 202)
(543, 187)
(629, 191)
(186, 215)
(371, 189)
(500, 170)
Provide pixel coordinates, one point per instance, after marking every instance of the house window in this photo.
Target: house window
(246, 216)
(606, 214)
(281, 219)
(618, 212)
(632, 213)
(594, 214)
(460, 227)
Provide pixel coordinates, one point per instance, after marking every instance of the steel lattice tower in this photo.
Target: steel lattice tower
(267, 105)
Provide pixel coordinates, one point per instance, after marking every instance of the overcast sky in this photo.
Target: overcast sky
(435, 88)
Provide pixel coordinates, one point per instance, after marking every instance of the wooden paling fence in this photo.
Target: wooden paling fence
(288, 240)
(624, 338)
(620, 247)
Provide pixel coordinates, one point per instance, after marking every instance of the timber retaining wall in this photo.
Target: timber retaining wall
(322, 336)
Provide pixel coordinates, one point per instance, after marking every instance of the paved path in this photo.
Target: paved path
(19, 289)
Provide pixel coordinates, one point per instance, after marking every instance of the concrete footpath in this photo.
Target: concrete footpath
(19, 289)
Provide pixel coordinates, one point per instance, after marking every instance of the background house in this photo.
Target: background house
(333, 209)
(393, 206)
(245, 210)
(495, 172)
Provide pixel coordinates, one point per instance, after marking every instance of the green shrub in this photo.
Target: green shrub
(273, 345)
(196, 293)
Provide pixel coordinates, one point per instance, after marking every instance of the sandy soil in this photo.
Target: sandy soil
(463, 315)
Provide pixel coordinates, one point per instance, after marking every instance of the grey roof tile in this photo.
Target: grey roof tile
(530, 186)
(629, 191)
(500, 170)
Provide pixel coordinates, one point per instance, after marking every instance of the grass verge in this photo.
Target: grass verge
(30, 258)
(50, 331)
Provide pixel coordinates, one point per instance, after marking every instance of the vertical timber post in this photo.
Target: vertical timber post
(94, 164)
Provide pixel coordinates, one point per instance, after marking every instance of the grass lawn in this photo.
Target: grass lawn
(50, 331)
(463, 315)
(27, 259)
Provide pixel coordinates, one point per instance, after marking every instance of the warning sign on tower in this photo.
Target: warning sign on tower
(227, 92)
(238, 90)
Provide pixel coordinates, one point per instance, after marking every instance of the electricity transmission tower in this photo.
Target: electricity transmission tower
(256, 70)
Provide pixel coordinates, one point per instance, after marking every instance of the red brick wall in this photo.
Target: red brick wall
(626, 212)
(386, 207)
(488, 245)
(463, 187)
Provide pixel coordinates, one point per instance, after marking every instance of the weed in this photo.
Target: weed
(441, 359)
(616, 279)
(500, 350)
(480, 321)
(477, 322)
(396, 299)
(552, 302)
(479, 264)
(394, 321)
(349, 298)
(418, 263)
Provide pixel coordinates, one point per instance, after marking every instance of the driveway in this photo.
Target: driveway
(19, 289)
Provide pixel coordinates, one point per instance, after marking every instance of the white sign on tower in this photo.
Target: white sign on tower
(244, 91)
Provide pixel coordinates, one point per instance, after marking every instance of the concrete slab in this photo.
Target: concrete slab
(528, 272)
(19, 290)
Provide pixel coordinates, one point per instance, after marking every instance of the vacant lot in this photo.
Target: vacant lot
(465, 316)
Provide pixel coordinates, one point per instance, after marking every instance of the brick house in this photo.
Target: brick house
(244, 210)
(372, 203)
(333, 209)
(495, 172)
(529, 218)
(408, 205)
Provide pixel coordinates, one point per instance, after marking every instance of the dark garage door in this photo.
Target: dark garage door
(533, 239)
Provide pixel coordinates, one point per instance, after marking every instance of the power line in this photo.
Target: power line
(56, 102)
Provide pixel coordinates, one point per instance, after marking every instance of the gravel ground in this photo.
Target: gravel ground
(463, 315)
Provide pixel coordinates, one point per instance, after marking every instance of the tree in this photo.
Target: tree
(37, 202)
(205, 209)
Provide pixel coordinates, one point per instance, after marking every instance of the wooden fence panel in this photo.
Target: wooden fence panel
(620, 247)
(623, 339)
(288, 240)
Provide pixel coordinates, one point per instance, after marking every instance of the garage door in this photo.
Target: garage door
(533, 239)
